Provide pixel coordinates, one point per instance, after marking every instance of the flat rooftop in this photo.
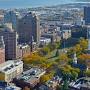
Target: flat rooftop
(31, 75)
(8, 86)
(8, 65)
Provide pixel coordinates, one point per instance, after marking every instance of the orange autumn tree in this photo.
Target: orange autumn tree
(33, 59)
(36, 60)
(84, 59)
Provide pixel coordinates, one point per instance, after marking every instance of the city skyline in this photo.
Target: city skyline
(6, 4)
(44, 45)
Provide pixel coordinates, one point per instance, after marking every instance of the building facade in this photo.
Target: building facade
(87, 15)
(10, 45)
(24, 50)
(10, 69)
(29, 78)
(88, 36)
(12, 17)
(28, 27)
(10, 41)
(2, 50)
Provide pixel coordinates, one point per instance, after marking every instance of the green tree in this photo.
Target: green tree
(63, 59)
(46, 77)
(87, 73)
(57, 45)
(69, 73)
(65, 85)
(83, 43)
(74, 75)
(77, 49)
(57, 53)
(44, 51)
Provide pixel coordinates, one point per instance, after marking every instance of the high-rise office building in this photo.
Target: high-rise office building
(12, 17)
(28, 28)
(87, 15)
(10, 40)
(2, 50)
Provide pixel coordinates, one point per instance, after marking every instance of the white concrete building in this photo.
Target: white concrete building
(10, 69)
(45, 41)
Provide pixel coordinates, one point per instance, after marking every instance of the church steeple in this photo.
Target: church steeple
(75, 58)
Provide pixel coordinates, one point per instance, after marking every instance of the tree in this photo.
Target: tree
(34, 59)
(77, 49)
(58, 87)
(44, 51)
(46, 77)
(57, 44)
(83, 43)
(74, 75)
(69, 73)
(70, 52)
(87, 73)
(84, 59)
(65, 85)
(26, 88)
(54, 46)
(63, 58)
(80, 47)
(57, 53)
(45, 65)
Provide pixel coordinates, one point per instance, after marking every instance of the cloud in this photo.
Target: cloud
(83, 0)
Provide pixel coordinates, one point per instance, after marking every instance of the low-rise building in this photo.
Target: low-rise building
(10, 69)
(44, 41)
(85, 86)
(66, 31)
(10, 86)
(1, 19)
(29, 78)
(43, 87)
(2, 55)
(66, 34)
(80, 84)
(51, 35)
(23, 50)
(51, 84)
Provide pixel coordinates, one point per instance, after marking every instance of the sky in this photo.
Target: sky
(33, 3)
